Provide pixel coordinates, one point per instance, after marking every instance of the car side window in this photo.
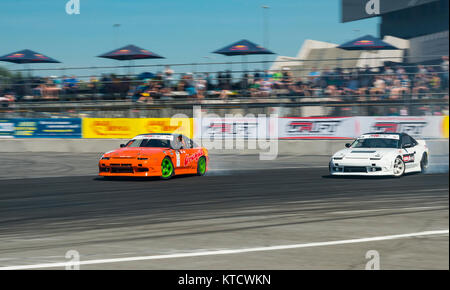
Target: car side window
(407, 140)
(188, 142)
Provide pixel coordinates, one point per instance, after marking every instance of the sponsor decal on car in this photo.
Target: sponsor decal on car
(158, 137)
(191, 158)
(409, 158)
(380, 136)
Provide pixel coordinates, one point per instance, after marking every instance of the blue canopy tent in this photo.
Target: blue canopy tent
(130, 53)
(243, 47)
(367, 42)
(26, 57)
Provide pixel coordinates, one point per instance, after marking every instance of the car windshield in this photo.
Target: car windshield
(375, 143)
(149, 143)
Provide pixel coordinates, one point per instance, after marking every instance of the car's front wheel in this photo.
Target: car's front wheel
(399, 167)
(167, 170)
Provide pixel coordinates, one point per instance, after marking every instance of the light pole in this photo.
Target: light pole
(265, 31)
(116, 34)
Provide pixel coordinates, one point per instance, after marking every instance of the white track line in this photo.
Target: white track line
(229, 252)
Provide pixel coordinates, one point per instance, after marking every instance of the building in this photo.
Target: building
(424, 23)
(318, 55)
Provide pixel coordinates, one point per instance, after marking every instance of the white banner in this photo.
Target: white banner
(418, 127)
(320, 128)
(231, 128)
(316, 128)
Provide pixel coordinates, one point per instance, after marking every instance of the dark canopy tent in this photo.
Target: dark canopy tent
(130, 53)
(367, 42)
(243, 47)
(27, 56)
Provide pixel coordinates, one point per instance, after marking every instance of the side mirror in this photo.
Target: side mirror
(348, 145)
(122, 145)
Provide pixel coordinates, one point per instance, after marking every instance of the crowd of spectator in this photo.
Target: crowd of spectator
(390, 82)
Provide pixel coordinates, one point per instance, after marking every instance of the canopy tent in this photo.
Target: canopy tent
(243, 47)
(27, 56)
(130, 53)
(367, 42)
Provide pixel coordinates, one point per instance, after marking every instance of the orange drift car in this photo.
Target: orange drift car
(163, 155)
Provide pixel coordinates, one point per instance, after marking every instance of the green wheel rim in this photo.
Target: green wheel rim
(166, 168)
(202, 165)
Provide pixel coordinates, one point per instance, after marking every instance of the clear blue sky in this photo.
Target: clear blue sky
(182, 31)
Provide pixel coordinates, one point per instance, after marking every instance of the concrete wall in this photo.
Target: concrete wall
(291, 147)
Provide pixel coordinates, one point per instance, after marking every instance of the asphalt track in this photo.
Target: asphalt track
(241, 204)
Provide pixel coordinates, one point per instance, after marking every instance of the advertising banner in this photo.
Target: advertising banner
(444, 127)
(6, 128)
(231, 128)
(418, 127)
(41, 128)
(126, 128)
(225, 128)
(316, 128)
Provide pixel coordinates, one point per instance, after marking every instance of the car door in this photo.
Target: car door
(193, 153)
(409, 148)
(179, 153)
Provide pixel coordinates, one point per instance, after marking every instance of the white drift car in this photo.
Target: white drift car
(381, 154)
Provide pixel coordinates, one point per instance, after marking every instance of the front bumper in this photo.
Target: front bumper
(129, 168)
(360, 168)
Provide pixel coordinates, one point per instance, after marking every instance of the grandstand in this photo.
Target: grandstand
(319, 55)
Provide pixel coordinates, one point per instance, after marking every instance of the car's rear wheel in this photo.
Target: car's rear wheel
(399, 167)
(424, 163)
(167, 170)
(201, 166)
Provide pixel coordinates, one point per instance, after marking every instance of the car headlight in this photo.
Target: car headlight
(105, 158)
(339, 156)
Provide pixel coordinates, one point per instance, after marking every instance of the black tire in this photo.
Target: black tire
(424, 163)
(201, 172)
(167, 159)
(401, 167)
